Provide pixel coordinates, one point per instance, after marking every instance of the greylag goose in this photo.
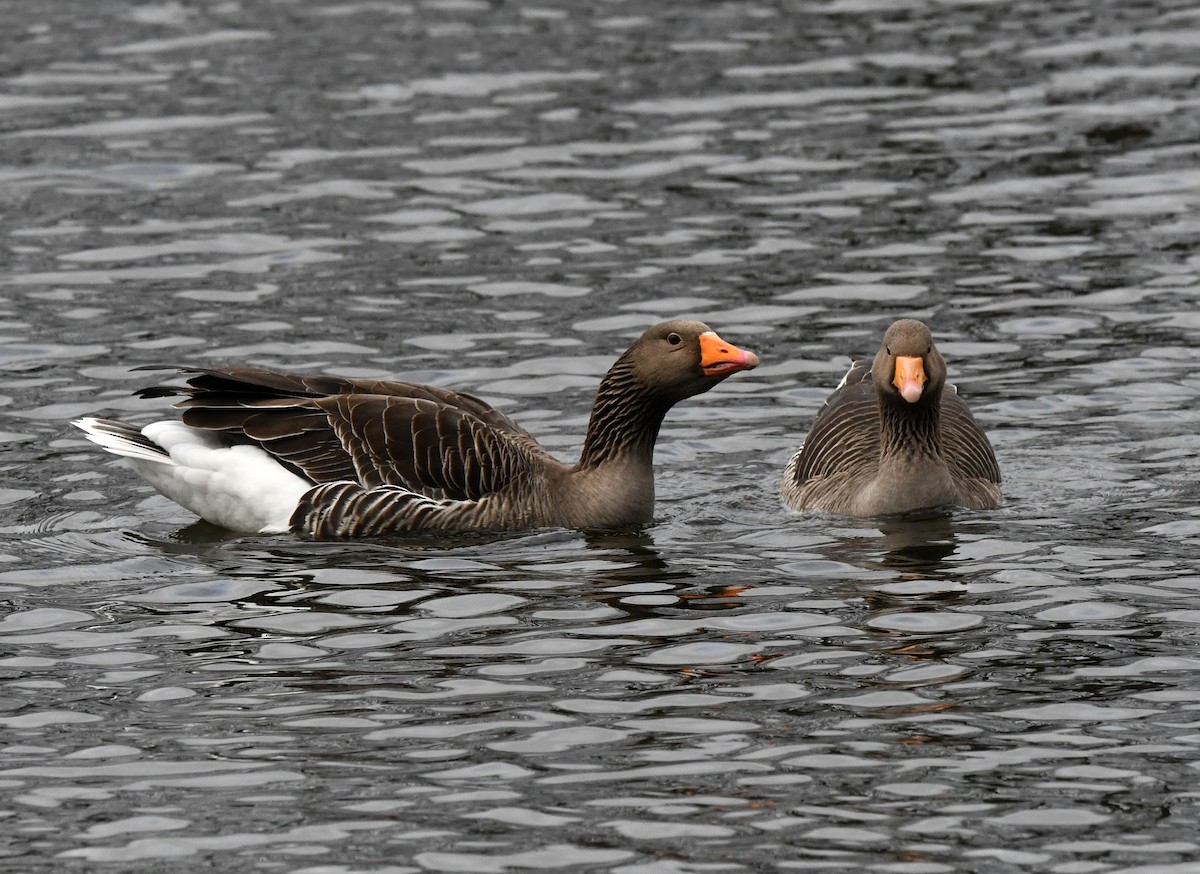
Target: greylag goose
(894, 437)
(260, 451)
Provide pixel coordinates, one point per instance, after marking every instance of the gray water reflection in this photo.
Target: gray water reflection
(496, 198)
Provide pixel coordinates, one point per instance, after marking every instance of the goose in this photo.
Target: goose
(894, 437)
(259, 451)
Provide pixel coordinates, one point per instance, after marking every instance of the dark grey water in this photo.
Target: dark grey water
(497, 197)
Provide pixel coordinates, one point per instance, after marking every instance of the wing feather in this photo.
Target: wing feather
(845, 435)
(430, 449)
(965, 444)
(436, 442)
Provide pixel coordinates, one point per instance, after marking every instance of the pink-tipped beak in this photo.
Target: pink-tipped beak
(718, 358)
(909, 378)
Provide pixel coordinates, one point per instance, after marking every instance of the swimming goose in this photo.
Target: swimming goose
(267, 452)
(890, 439)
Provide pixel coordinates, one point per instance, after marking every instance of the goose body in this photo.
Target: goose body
(893, 437)
(268, 452)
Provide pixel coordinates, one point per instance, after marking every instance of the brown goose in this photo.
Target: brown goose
(890, 440)
(267, 452)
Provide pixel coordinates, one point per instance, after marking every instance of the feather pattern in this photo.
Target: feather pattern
(624, 419)
(871, 452)
(375, 457)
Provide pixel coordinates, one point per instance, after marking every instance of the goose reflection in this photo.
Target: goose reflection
(591, 562)
(917, 544)
(920, 544)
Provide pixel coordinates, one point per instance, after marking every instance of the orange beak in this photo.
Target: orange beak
(718, 358)
(910, 378)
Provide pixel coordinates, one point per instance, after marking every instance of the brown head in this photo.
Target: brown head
(668, 363)
(908, 368)
(678, 359)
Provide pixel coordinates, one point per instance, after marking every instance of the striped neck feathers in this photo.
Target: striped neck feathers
(625, 418)
(910, 429)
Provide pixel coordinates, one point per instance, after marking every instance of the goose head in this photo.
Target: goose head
(679, 359)
(908, 368)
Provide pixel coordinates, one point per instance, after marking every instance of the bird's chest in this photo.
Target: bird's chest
(906, 482)
(614, 497)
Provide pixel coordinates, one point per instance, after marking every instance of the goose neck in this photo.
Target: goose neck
(624, 423)
(910, 429)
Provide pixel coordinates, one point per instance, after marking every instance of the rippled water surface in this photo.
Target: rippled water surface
(497, 197)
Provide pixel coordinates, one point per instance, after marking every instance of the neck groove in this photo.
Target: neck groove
(908, 430)
(625, 420)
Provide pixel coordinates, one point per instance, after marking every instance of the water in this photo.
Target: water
(497, 198)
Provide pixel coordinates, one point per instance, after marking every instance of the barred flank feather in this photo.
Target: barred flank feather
(342, 510)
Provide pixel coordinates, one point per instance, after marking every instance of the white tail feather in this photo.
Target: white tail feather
(121, 439)
(238, 487)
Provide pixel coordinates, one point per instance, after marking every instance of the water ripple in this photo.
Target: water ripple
(497, 198)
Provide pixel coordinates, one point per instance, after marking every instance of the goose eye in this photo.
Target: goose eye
(930, 349)
(674, 339)
(888, 349)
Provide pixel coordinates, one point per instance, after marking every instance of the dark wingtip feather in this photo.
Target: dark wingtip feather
(159, 391)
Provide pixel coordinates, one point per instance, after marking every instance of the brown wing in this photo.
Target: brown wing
(236, 386)
(426, 446)
(845, 435)
(459, 400)
(964, 443)
(438, 442)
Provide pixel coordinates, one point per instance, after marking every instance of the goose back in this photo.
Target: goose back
(438, 443)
